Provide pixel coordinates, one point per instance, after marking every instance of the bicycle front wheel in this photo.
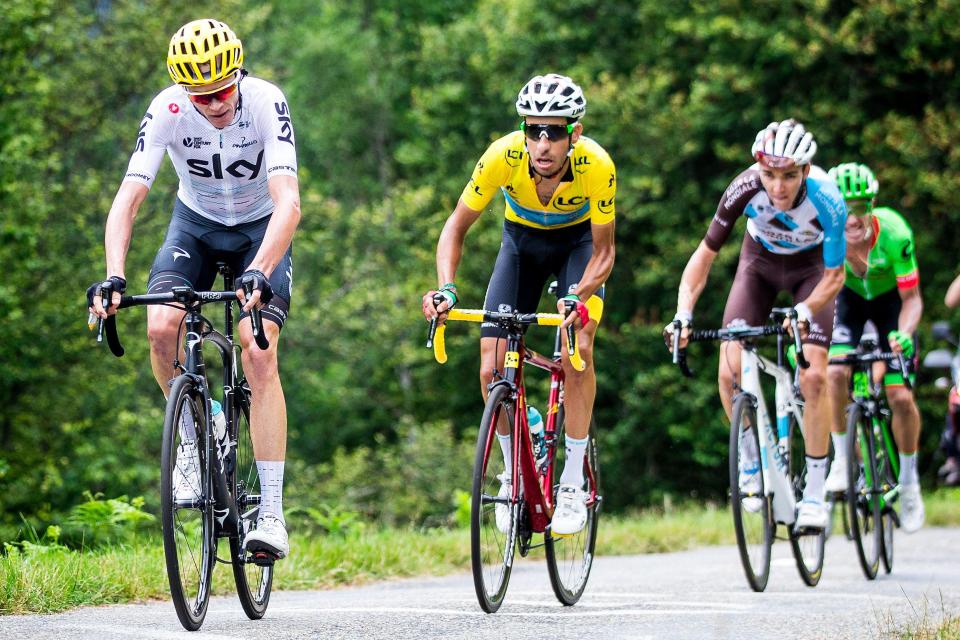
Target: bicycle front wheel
(807, 546)
(569, 558)
(189, 541)
(887, 473)
(492, 543)
(254, 581)
(863, 501)
(749, 503)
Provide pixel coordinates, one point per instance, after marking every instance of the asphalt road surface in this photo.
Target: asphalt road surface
(694, 594)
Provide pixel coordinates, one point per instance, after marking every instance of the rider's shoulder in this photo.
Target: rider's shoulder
(508, 149)
(823, 189)
(747, 183)
(891, 218)
(591, 149)
(171, 103)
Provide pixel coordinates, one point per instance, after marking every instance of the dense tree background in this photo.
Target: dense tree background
(393, 102)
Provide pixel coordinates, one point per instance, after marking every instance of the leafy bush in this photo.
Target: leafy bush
(99, 522)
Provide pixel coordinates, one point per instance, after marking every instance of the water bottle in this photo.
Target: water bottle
(535, 420)
(219, 421)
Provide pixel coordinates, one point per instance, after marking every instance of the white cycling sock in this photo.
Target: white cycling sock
(271, 487)
(507, 454)
(573, 467)
(816, 475)
(839, 445)
(908, 469)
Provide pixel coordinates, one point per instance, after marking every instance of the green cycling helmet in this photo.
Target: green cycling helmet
(855, 180)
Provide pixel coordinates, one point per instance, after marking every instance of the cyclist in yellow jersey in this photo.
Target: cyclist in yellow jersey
(559, 188)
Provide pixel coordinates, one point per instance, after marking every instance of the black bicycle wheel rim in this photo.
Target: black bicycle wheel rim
(807, 547)
(862, 506)
(754, 527)
(189, 541)
(491, 551)
(570, 558)
(254, 582)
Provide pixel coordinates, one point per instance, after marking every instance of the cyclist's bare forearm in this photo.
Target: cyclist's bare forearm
(694, 278)
(450, 245)
(826, 290)
(601, 261)
(119, 229)
(285, 192)
(910, 311)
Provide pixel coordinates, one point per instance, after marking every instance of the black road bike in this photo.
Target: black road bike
(227, 501)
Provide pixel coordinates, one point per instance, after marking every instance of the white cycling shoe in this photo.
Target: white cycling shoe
(911, 508)
(269, 536)
(837, 478)
(749, 483)
(502, 509)
(570, 516)
(812, 515)
(186, 474)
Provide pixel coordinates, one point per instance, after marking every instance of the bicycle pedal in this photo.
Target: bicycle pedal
(262, 558)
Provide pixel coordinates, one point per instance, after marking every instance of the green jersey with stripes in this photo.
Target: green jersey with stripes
(891, 262)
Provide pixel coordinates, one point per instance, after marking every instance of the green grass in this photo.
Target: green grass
(55, 579)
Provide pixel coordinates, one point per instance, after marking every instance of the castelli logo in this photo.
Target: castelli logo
(174, 107)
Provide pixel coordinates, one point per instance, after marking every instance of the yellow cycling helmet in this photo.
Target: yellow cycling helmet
(205, 41)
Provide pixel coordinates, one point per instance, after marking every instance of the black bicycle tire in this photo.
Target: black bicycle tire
(855, 421)
(253, 607)
(489, 602)
(757, 582)
(566, 596)
(191, 616)
(810, 576)
(886, 516)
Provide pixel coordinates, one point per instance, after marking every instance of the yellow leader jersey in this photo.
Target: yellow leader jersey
(586, 192)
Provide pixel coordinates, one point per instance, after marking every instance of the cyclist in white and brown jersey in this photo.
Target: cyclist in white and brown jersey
(793, 242)
(230, 138)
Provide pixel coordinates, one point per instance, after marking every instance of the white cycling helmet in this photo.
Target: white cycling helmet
(784, 144)
(551, 95)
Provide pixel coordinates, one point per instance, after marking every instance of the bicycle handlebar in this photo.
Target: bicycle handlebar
(183, 295)
(437, 331)
(738, 333)
(853, 359)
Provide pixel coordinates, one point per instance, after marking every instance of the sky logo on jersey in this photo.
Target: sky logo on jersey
(214, 168)
(286, 126)
(142, 133)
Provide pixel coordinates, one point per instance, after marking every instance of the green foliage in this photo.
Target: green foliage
(393, 102)
(98, 521)
(333, 522)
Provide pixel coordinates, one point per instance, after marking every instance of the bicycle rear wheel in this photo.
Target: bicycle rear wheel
(569, 558)
(189, 541)
(807, 546)
(751, 508)
(254, 582)
(492, 547)
(863, 503)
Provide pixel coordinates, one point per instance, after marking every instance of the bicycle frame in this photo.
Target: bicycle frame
(867, 392)
(774, 445)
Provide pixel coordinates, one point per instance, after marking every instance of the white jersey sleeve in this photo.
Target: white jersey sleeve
(152, 138)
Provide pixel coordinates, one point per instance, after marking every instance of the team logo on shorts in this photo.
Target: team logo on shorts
(841, 333)
(177, 252)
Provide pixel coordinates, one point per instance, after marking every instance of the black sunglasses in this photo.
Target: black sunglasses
(553, 132)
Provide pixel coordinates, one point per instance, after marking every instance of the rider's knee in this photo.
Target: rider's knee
(258, 364)
(725, 378)
(586, 354)
(837, 377)
(813, 381)
(486, 373)
(162, 332)
(900, 399)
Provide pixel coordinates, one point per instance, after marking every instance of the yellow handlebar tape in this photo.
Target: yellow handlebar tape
(439, 346)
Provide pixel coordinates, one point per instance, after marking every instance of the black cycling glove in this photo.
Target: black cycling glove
(113, 283)
(256, 280)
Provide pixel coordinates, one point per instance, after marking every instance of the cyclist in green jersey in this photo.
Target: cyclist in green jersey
(883, 285)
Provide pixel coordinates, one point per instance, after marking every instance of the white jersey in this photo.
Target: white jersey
(223, 172)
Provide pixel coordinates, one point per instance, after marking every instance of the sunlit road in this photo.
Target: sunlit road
(695, 594)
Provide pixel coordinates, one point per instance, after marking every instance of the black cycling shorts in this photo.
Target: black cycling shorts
(528, 259)
(194, 245)
(853, 312)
